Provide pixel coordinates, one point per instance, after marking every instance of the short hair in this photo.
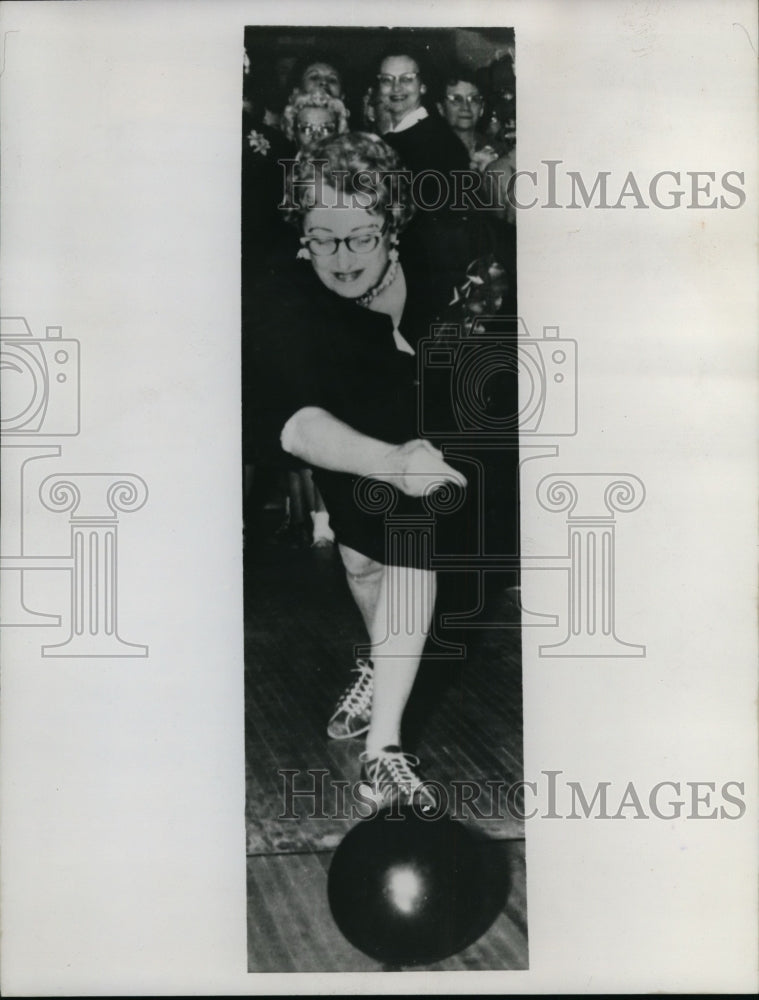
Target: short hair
(457, 74)
(310, 59)
(356, 163)
(410, 51)
(299, 100)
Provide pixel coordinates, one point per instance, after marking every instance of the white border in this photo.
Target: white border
(123, 840)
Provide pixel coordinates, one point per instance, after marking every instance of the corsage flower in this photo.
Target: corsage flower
(258, 143)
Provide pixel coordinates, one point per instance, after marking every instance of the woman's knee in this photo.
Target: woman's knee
(357, 565)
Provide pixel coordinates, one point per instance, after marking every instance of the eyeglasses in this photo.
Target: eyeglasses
(388, 80)
(461, 99)
(328, 128)
(362, 243)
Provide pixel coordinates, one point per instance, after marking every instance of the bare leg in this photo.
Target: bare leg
(364, 577)
(396, 604)
(401, 624)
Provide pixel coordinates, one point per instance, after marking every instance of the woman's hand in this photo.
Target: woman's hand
(318, 438)
(421, 467)
(482, 158)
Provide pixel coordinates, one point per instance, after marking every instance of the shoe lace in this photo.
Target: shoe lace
(396, 768)
(357, 697)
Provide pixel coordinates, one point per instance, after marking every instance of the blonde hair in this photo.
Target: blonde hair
(352, 163)
(299, 100)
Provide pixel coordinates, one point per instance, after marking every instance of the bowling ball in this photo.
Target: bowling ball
(405, 890)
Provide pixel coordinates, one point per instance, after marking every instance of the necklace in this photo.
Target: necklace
(371, 295)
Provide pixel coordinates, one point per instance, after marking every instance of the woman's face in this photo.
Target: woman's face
(345, 272)
(399, 84)
(462, 106)
(312, 124)
(321, 76)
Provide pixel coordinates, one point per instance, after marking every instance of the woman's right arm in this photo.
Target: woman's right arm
(318, 438)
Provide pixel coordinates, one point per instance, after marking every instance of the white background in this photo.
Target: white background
(122, 782)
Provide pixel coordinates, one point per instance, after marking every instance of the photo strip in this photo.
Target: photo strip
(381, 350)
(378, 573)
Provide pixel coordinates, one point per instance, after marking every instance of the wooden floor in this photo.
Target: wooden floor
(300, 935)
(464, 722)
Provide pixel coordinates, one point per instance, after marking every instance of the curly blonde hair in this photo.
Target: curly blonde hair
(352, 163)
(299, 100)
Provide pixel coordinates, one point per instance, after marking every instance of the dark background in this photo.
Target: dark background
(275, 51)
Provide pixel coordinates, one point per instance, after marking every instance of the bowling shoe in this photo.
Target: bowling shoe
(354, 708)
(392, 776)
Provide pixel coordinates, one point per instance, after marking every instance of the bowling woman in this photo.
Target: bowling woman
(335, 337)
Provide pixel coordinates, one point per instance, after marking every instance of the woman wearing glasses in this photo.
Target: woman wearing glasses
(312, 116)
(335, 339)
(422, 140)
(451, 233)
(462, 108)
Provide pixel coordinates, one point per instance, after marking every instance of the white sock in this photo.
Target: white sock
(321, 525)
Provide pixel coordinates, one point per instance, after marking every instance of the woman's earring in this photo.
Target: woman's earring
(303, 254)
(393, 252)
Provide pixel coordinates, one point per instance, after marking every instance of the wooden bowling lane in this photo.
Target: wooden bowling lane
(290, 928)
(464, 721)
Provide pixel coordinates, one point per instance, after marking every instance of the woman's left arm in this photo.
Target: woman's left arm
(321, 439)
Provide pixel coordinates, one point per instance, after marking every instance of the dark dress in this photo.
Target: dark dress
(262, 226)
(451, 235)
(265, 237)
(430, 144)
(310, 347)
